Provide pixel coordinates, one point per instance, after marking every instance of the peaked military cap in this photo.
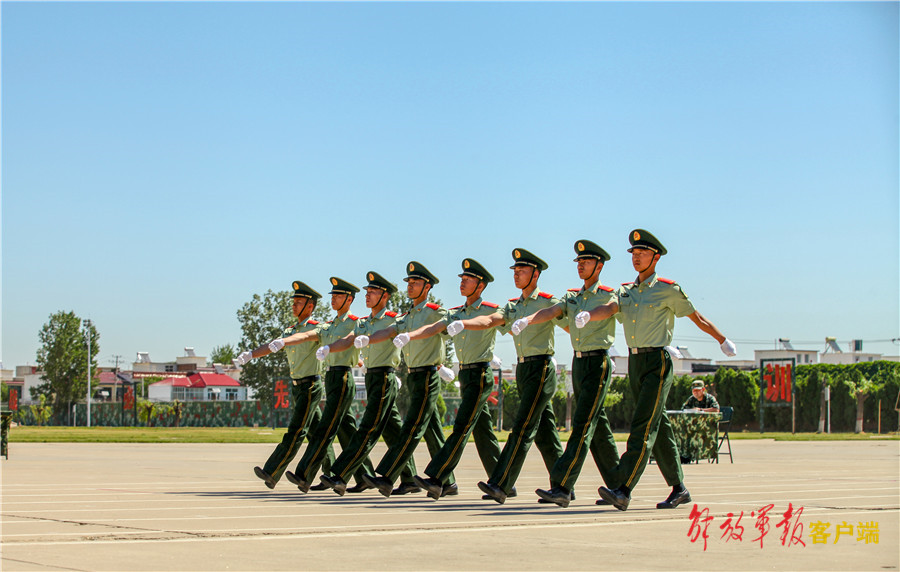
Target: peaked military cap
(301, 290)
(417, 270)
(472, 267)
(525, 258)
(640, 238)
(376, 280)
(697, 385)
(588, 249)
(340, 286)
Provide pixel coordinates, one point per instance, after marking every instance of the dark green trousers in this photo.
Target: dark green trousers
(380, 417)
(590, 427)
(336, 421)
(535, 422)
(305, 396)
(650, 375)
(472, 417)
(420, 421)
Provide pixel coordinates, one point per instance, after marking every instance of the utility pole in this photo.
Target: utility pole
(87, 329)
(116, 378)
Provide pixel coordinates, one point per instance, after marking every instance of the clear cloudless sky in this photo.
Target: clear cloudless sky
(163, 162)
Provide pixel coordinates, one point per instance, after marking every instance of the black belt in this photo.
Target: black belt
(339, 368)
(423, 368)
(542, 357)
(474, 365)
(645, 350)
(382, 369)
(590, 353)
(307, 379)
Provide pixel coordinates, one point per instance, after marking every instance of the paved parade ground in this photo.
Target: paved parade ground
(199, 507)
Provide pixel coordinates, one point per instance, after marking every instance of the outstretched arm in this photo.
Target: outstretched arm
(707, 326)
(342, 344)
(427, 331)
(484, 322)
(383, 335)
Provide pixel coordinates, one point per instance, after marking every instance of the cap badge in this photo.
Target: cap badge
(334, 281)
(580, 247)
(296, 285)
(371, 277)
(412, 266)
(466, 264)
(517, 254)
(637, 235)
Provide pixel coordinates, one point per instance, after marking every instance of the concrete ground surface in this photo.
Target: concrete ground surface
(199, 507)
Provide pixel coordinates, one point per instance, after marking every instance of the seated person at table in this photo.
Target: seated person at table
(700, 400)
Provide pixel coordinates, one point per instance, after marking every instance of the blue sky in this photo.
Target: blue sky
(163, 162)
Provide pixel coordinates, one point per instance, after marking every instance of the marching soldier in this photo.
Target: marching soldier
(475, 351)
(424, 358)
(591, 373)
(340, 388)
(535, 377)
(647, 309)
(381, 415)
(306, 388)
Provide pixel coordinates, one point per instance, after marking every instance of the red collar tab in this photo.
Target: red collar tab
(433, 306)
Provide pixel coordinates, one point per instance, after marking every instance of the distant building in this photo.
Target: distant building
(197, 387)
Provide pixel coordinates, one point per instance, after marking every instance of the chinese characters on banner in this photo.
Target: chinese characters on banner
(282, 396)
(13, 400)
(778, 380)
(791, 533)
(128, 399)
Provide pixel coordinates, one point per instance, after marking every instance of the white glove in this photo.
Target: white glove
(446, 373)
(276, 345)
(581, 319)
(322, 353)
(244, 358)
(673, 351)
(361, 341)
(553, 361)
(496, 363)
(401, 340)
(518, 326)
(456, 327)
(728, 348)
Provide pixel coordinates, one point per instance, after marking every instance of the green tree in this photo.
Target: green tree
(222, 354)
(62, 357)
(262, 320)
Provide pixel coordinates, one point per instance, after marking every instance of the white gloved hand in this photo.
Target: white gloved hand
(244, 358)
(553, 361)
(276, 345)
(361, 341)
(401, 340)
(674, 352)
(496, 363)
(456, 327)
(728, 348)
(322, 353)
(518, 326)
(581, 319)
(446, 373)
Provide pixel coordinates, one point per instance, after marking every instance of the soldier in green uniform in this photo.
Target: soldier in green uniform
(535, 378)
(306, 388)
(380, 415)
(647, 309)
(700, 399)
(591, 373)
(340, 388)
(475, 351)
(424, 358)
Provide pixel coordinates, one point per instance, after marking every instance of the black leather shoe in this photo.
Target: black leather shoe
(602, 502)
(406, 488)
(675, 499)
(432, 486)
(492, 492)
(509, 495)
(358, 488)
(384, 486)
(301, 484)
(450, 490)
(615, 497)
(557, 495)
(270, 482)
(319, 487)
(337, 484)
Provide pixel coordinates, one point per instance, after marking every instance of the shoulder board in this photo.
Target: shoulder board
(312, 322)
(489, 304)
(573, 290)
(433, 306)
(627, 283)
(666, 281)
(352, 317)
(456, 307)
(390, 314)
(545, 295)
(403, 314)
(605, 288)
(516, 299)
